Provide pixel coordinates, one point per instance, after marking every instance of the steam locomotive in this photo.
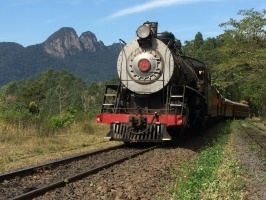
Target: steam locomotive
(162, 93)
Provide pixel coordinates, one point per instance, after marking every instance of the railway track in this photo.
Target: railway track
(52, 164)
(35, 181)
(255, 134)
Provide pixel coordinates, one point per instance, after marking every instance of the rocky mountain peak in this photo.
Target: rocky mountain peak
(65, 41)
(88, 41)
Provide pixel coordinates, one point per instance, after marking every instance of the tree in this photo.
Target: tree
(251, 28)
(198, 41)
(195, 47)
(242, 71)
(237, 58)
(50, 94)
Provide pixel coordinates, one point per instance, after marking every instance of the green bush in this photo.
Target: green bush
(61, 121)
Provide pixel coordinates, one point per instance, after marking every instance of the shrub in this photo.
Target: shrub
(61, 121)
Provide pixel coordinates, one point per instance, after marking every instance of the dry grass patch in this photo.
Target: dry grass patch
(20, 147)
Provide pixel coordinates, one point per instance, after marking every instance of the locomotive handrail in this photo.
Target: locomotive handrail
(122, 50)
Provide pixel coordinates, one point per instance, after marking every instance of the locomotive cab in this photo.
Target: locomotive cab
(201, 72)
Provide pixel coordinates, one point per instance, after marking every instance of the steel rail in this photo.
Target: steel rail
(256, 126)
(62, 183)
(53, 164)
(253, 138)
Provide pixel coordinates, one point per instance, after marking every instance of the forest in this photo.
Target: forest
(237, 59)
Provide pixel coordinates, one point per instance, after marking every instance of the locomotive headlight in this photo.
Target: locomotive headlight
(143, 31)
(144, 65)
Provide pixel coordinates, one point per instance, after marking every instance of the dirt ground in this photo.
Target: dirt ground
(253, 158)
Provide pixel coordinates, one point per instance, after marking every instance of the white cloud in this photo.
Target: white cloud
(152, 4)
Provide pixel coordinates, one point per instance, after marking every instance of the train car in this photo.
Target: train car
(236, 110)
(241, 111)
(161, 93)
(228, 108)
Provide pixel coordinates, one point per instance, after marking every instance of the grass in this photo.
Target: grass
(21, 147)
(215, 174)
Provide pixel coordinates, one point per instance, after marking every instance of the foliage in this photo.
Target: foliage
(61, 121)
(33, 108)
(236, 58)
(250, 29)
(54, 99)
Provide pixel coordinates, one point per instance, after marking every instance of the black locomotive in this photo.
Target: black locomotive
(162, 92)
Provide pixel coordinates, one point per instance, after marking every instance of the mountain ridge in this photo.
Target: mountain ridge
(82, 55)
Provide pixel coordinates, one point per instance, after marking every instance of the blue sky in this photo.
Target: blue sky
(30, 22)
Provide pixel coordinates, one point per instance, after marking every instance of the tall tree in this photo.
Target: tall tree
(251, 28)
(198, 41)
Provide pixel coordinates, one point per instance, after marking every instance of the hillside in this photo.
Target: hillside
(82, 55)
